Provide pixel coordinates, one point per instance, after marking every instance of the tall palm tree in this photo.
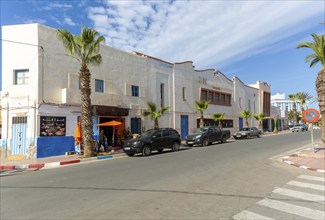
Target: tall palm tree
(246, 114)
(219, 117)
(260, 118)
(303, 97)
(293, 98)
(85, 49)
(318, 47)
(291, 115)
(154, 114)
(201, 106)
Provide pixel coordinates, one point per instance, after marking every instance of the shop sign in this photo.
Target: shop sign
(111, 111)
(52, 126)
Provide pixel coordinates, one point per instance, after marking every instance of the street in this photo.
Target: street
(213, 182)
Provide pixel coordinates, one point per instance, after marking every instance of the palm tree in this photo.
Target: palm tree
(219, 117)
(85, 49)
(292, 97)
(318, 47)
(291, 115)
(201, 106)
(154, 114)
(260, 118)
(246, 114)
(303, 97)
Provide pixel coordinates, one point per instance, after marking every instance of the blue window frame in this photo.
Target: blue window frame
(21, 77)
(99, 85)
(135, 91)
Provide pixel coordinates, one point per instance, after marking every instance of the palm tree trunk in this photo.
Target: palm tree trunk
(320, 87)
(86, 112)
(246, 122)
(201, 121)
(156, 125)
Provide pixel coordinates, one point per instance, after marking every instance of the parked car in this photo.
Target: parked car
(151, 140)
(247, 133)
(299, 128)
(207, 135)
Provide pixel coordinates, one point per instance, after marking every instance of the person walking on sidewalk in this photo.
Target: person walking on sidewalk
(101, 141)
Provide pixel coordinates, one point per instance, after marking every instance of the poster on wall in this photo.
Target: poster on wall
(52, 126)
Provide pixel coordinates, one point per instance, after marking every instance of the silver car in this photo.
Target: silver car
(299, 128)
(247, 133)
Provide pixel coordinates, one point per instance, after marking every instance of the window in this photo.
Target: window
(184, 93)
(227, 101)
(215, 97)
(162, 97)
(222, 99)
(203, 95)
(135, 91)
(21, 77)
(210, 96)
(239, 102)
(99, 85)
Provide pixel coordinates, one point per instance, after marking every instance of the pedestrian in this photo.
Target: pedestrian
(101, 141)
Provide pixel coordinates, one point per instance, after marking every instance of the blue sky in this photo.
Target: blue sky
(253, 40)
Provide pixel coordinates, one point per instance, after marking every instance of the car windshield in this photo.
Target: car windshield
(146, 134)
(245, 129)
(200, 130)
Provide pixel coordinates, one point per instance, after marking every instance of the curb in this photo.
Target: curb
(285, 160)
(55, 164)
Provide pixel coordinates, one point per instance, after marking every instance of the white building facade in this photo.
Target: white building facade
(40, 95)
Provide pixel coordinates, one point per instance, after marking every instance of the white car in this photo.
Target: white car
(299, 128)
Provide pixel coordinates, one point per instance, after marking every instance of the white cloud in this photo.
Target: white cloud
(68, 21)
(56, 5)
(211, 33)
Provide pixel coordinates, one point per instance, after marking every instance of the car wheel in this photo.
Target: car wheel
(236, 138)
(190, 145)
(258, 135)
(176, 146)
(160, 150)
(205, 142)
(130, 155)
(146, 150)
(247, 136)
(223, 139)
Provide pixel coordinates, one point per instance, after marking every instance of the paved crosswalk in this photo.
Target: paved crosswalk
(302, 198)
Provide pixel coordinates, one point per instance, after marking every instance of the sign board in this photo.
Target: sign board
(310, 115)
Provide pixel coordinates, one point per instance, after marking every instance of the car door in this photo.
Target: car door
(157, 140)
(217, 134)
(168, 139)
(211, 135)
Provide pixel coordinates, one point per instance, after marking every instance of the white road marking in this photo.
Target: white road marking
(300, 195)
(250, 215)
(307, 185)
(315, 178)
(293, 209)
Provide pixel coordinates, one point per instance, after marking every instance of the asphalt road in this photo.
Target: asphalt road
(211, 182)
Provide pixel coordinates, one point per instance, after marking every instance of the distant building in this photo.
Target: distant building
(286, 105)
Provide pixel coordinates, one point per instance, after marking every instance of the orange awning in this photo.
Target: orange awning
(110, 123)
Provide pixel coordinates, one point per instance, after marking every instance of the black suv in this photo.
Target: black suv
(155, 139)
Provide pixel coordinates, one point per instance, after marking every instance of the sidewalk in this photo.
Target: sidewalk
(307, 159)
(52, 162)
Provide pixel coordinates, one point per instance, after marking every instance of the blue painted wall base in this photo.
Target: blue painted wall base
(53, 146)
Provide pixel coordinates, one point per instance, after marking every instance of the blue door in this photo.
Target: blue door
(184, 126)
(136, 125)
(18, 131)
(241, 123)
